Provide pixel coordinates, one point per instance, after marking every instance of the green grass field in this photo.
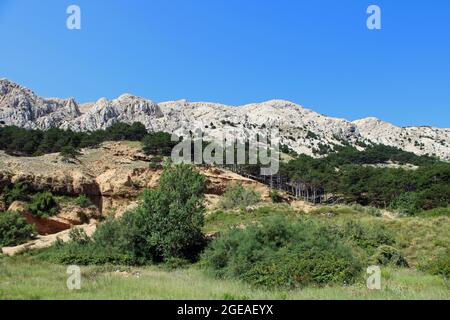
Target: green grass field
(28, 277)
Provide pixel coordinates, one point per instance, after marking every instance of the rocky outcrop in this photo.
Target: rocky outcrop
(21, 107)
(112, 176)
(301, 129)
(75, 215)
(219, 180)
(419, 140)
(104, 113)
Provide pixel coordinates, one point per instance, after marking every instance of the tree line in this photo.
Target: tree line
(352, 176)
(346, 175)
(23, 142)
(349, 175)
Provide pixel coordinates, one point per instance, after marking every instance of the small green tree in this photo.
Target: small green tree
(159, 143)
(14, 229)
(18, 192)
(69, 152)
(82, 201)
(43, 204)
(174, 213)
(167, 225)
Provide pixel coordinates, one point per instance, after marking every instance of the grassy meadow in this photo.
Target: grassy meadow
(29, 277)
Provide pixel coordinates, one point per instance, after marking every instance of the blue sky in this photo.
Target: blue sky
(318, 53)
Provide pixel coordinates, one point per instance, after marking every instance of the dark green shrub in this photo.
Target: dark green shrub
(275, 196)
(69, 152)
(154, 166)
(103, 248)
(84, 254)
(367, 237)
(172, 215)
(406, 203)
(239, 197)
(156, 162)
(14, 230)
(439, 265)
(387, 255)
(18, 192)
(123, 131)
(282, 253)
(83, 201)
(43, 205)
(158, 143)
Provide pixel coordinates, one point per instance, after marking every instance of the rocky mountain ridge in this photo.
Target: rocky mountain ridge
(301, 129)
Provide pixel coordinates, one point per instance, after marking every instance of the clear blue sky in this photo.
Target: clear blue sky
(317, 53)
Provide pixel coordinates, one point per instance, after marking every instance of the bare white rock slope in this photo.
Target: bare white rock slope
(301, 129)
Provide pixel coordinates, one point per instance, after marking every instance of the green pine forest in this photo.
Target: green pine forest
(345, 175)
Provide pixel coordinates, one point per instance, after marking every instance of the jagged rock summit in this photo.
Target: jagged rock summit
(21, 107)
(301, 129)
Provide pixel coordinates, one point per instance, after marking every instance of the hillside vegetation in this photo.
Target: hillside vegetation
(346, 175)
(248, 247)
(422, 242)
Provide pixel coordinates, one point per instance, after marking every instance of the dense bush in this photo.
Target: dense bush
(368, 236)
(68, 153)
(406, 204)
(440, 265)
(14, 230)
(18, 192)
(280, 253)
(174, 212)
(166, 226)
(83, 201)
(275, 196)
(158, 143)
(122, 131)
(43, 205)
(84, 251)
(239, 197)
(387, 255)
